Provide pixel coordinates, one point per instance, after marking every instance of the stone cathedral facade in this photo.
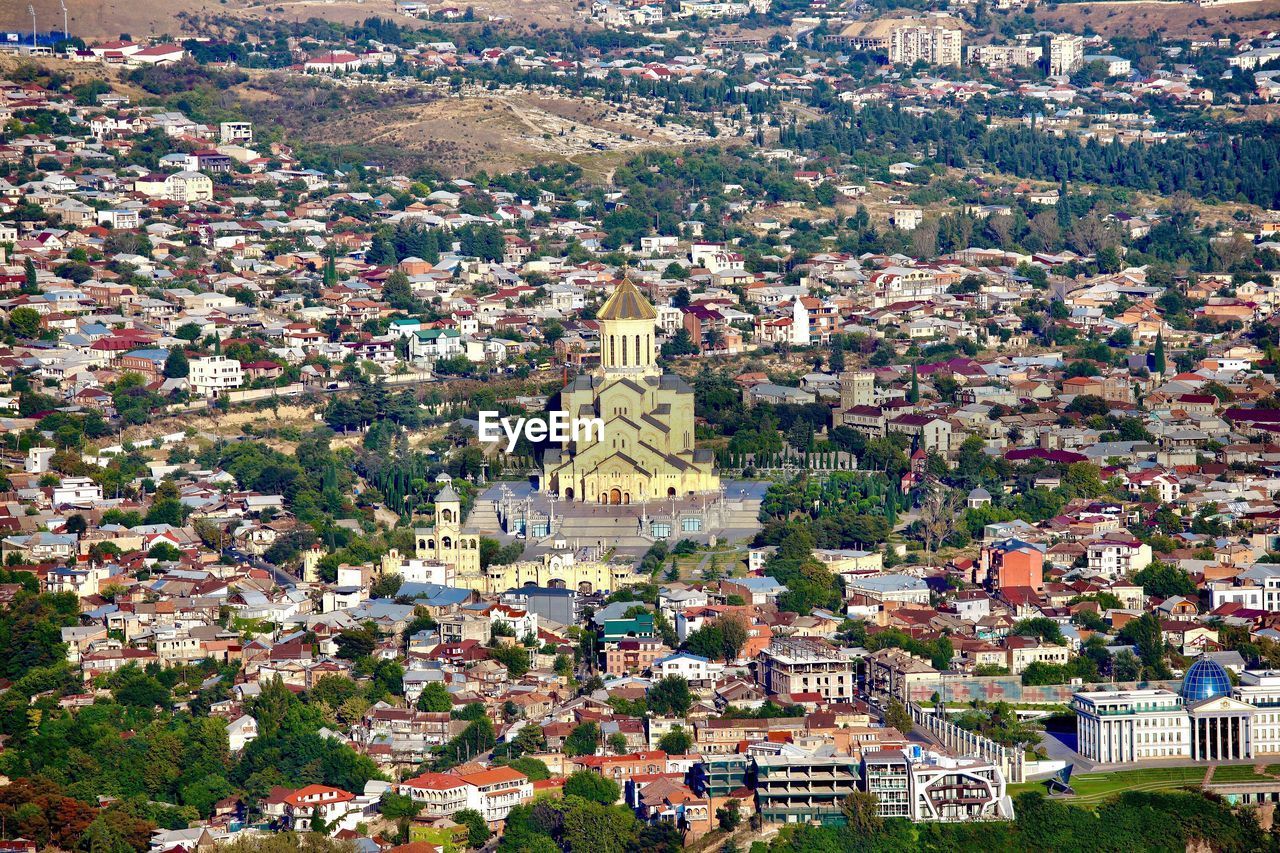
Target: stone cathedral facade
(647, 452)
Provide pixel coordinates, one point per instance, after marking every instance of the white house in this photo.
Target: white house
(692, 668)
(241, 731)
(76, 490)
(214, 373)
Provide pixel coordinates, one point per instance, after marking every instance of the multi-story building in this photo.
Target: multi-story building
(857, 388)
(1134, 725)
(718, 776)
(887, 774)
(330, 803)
(1257, 588)
(804, 665)
(1206, 720)
(236, 132)
(491, 792)
(1261, 689)
(1024, 651)
(936, 39)
(1066, 53)
(894, 672)
(1001, 57)
(215, 373)
(944, 788)
(692, 668)
(76, 490)
(803, 789)
(720, 736)
(633, 655)
(931, 43)
(1013, 563)
(1117, 555)
(934, 433)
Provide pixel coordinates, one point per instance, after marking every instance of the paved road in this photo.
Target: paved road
(279, 575)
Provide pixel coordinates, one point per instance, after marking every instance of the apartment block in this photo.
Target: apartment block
(1066, 53)
(804, 665)
(803, 789)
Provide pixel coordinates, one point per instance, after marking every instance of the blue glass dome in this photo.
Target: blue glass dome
(1205, 680)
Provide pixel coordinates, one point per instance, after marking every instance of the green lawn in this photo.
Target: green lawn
(1094, 788)
(1238, 773)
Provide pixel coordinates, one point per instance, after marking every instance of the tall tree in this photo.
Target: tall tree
(176, 366)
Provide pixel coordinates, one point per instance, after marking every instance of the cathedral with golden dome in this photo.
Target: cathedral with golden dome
(647, 451)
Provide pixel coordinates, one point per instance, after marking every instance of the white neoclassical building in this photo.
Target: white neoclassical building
(1207, 719)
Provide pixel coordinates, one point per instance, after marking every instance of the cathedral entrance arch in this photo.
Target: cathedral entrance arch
(671, 492)
(615, 496)
(626, 497)
(556, 583)
(585, 587)
(568, 494)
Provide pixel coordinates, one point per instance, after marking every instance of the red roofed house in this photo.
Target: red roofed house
(333, 804)
(491, 792)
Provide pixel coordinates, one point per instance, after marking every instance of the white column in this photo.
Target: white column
(1218, 729)
(1231, 738)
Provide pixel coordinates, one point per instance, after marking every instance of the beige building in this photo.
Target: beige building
(557, 569)
(857, 388)
(802, 665)
(936, 39)
(647, 450)
(1066, 53)
(445, 542)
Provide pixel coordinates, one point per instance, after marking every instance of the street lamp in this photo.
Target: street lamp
(66, 33)
(32, 11)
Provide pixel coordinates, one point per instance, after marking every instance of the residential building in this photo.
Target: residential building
(804, 789)
(805, 665)
(211, 375)
(1066, 53)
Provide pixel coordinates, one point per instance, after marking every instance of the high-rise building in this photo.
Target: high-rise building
(930, 43)
(934, 39)
(1066, 53)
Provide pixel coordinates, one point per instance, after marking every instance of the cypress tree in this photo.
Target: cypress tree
(1157, 357)
(914, 396)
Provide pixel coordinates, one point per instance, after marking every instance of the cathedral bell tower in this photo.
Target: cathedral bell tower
(627, 327)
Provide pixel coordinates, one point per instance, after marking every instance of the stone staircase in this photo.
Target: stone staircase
(484, 519)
